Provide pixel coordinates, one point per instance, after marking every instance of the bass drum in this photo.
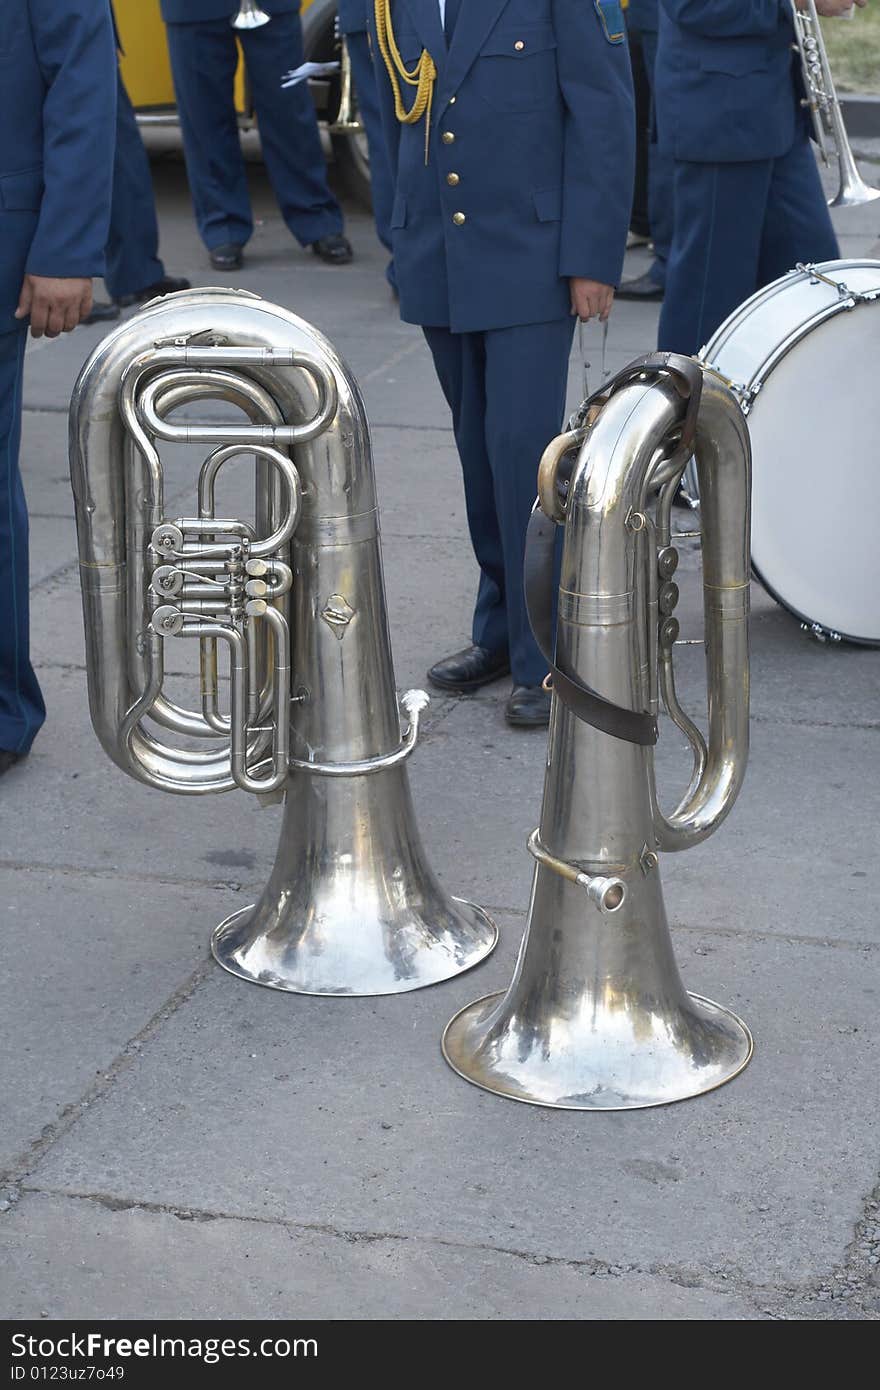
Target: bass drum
(803, 355)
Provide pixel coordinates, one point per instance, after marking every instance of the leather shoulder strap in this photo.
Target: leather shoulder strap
(585, 703)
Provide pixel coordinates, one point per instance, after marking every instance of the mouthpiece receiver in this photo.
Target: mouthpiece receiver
(608, 894)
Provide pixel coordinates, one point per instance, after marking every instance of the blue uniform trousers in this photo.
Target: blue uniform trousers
(21, 704)
(133, 244)
(203, 61)
(506, 389)
(381, 183)
(660, 178)
(737, 227)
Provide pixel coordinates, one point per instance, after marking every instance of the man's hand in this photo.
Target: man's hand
(832, 8)
(54, 305)
(591, 299)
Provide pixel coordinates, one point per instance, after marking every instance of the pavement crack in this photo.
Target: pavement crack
(592, 1265)
(782, 1301)
(70, 567)
(15, 1175)
(439, 711)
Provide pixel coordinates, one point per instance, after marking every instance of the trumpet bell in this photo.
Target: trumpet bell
(854, 193)
(250, 16)
(596, 1017)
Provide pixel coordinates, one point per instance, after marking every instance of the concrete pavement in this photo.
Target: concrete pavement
(178, 1144)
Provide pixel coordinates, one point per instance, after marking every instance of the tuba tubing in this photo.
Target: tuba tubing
(723, 469)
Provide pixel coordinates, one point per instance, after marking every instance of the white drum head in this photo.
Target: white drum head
(815, 431)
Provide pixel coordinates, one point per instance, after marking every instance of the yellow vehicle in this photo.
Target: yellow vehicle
(146, 71)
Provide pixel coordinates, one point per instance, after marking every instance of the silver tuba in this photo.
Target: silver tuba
(287, 613)
(821, 99)
(597, 1017)
(249, 16)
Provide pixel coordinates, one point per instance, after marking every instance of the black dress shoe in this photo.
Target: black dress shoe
(528, 707)
(335, 250)
(169, 284)
(643, 287)
(9, 759)
(102, 311)
(684, 500)
(227, 257)
(467, 670)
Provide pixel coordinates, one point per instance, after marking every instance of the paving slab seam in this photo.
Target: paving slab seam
(100, 871)
(410, 346)
(834, 943)
(393, 534)
(15, 1173)
(103, 873)
(872, 725)
(703, 929)
(396, 426)
(845, 1285)
(685, 1277)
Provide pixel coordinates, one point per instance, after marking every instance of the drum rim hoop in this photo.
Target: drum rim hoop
(748, 390)
(805, 618)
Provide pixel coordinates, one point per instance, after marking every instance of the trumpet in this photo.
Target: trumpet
(347, 120)
(249, 16)
(295, 595)
(829, 129)
(596, 1016)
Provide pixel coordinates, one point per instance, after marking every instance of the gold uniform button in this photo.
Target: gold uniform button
(458, 218)
(452, 180)
(447, 137)
(519, 45)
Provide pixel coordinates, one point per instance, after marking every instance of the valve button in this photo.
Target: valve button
(667, 597)
(667, 562)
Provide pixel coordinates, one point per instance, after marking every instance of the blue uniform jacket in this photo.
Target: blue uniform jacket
(353, 15)
(536, 96)
(725, 80)
(191, 11)
(57, 136)
(643, 15)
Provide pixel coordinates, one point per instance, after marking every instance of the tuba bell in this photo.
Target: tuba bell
(287, 614)
(597, 1017)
